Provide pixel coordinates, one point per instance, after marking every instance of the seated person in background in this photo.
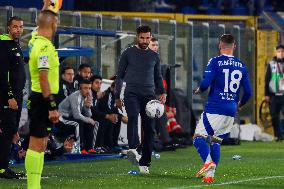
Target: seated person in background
(75, 114)
(56, 147)
(109, 129)
(84, 72)
(17, 153)
(66, 86)
(161, 135)
(96, 81)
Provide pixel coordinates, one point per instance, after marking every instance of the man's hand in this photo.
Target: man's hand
(46, 4)
(119, 103)
(13, 104)
(21, 153)
(68, 144)
(91, 121)
(100, 95)
(112, 118)
(53, 116)
(89, 102)
(163, 98)
(16, 138)
(267, 98)
(124, 119)
(197, 91)
(239, 108)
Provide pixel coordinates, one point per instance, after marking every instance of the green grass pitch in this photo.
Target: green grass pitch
(261, 167)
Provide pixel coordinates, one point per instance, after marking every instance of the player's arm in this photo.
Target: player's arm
(48, 97)
(43, 65)
(119, 79)
(86, 110)
(160, 90)
(46, 4)
(5, 67)
(208, 76)
(247, 91)
(75, 102)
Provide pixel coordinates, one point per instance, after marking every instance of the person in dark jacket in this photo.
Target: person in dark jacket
(274, 89)
(56, 147)
(12, 83)
(66, 86)
(139, 67)
(84, 72)
(97, 114)
(109, 130)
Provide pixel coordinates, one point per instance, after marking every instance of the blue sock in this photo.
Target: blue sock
(201, 147)
(215, 152)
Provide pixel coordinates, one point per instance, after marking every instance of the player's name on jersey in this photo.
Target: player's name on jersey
(230, 62)
(227, 96)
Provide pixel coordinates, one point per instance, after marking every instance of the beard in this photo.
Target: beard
(143, 46)
(16, 36)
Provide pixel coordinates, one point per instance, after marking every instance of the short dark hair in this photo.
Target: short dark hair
(153, 39)
(94, 77)
(85, 81)
(113, 77)
(82, 66)
(227, 38)
(66, 68)
(112, 84)
(279, 47)
(143, 29)
(12, 18)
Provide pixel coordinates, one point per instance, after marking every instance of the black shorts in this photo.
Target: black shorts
(9, 118)
(40, 125)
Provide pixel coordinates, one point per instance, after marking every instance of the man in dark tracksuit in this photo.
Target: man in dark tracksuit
(66, 86)
(139, 67)
(84, 72)
(12, 83)
(274, 89)
(109, 131)
(98, 115)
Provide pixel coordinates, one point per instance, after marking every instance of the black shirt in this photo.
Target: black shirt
(96, 113)
(65, 89)
(12, 71)
(140, 69)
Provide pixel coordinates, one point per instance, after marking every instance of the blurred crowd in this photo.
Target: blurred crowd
(243, 7)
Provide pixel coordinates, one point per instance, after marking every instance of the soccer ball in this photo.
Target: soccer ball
(154, 109)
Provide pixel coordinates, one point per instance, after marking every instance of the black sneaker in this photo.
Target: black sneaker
(10, 174)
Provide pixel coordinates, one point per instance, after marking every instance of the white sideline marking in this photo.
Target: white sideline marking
(228, 183)
(25, 178)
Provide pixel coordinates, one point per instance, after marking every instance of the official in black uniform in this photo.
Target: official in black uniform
(12, 83)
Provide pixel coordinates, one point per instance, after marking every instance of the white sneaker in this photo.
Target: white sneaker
(144, 170)
(133, 156)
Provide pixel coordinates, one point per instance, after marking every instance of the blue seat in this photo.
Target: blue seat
(163, 9)
(268, 8)
(188, 10)
(214, 11)
(241, 11)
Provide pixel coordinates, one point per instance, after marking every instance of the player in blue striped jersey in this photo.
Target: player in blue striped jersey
(225, 75)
